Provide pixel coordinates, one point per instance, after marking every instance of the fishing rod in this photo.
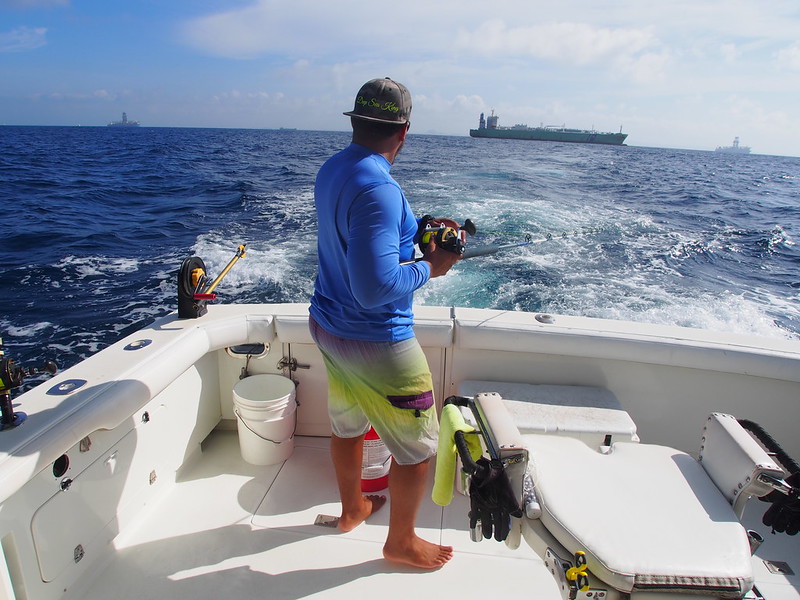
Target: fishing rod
(449, 238)
(487, 250)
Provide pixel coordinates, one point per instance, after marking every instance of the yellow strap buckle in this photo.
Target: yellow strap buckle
(577, 575)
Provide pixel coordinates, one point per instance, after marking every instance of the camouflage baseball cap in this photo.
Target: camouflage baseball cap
(382, 100)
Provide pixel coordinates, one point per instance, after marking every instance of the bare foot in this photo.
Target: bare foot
(418, 553)
(369, 505)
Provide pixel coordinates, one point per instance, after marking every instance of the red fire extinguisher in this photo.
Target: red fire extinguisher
(375, 463)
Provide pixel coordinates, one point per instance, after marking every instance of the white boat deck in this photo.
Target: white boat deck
(232, 530)
(225, 529)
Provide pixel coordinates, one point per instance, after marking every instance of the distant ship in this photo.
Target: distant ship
(735, 149)
(488, 128)
(124, 122)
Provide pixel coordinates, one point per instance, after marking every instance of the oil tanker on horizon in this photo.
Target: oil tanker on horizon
(488, 128)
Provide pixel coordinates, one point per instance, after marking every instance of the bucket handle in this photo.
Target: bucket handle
(238, 416)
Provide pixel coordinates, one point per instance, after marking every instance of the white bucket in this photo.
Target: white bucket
(265, 411)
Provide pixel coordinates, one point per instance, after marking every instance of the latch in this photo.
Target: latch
(572, 577)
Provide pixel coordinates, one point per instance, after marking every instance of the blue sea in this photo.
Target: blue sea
(96, 222)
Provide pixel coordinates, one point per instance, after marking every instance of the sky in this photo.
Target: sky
(676, 73)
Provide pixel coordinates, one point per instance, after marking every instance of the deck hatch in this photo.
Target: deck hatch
(82, 515)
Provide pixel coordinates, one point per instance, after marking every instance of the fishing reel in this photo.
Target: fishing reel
(12, 376)
(448, 238)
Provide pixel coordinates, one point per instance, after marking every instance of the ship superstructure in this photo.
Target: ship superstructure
(124, 122)
(734, 149)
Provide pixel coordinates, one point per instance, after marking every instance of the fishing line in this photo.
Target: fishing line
(529, 241)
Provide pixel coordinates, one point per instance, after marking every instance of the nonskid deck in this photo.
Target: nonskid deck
(233, 530)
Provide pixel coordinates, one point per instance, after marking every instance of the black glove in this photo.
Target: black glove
(784, 514)
(491, 500)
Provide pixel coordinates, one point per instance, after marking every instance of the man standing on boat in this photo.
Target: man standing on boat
(362, 320)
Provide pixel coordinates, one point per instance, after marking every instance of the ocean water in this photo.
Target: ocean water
(96, 223)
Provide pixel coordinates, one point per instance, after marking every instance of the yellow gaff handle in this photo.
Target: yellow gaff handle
(239, 254)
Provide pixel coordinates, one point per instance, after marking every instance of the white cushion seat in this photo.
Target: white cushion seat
(647, 516)
(591, 414)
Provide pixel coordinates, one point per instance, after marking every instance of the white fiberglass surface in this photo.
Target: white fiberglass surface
(233, 530)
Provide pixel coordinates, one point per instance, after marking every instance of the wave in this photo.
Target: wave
(102, 221)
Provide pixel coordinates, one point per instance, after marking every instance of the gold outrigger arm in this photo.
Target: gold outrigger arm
(239, 254)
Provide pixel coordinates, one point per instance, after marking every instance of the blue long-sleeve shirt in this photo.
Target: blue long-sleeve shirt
(366, 229)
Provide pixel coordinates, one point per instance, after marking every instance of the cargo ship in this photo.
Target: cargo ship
(488, 128)
(124, 122)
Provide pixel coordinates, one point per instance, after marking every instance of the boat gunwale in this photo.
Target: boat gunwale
(114, 394)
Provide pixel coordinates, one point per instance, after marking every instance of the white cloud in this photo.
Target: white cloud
(424, 32)
(240, 98)
(648, 68)
(94, 95)
(583, 62)
(574, 43)
(730, 52)
(754, 114)
(241, 33)
(789, 58)
(268, 27)
(634, 53)
(23, 39)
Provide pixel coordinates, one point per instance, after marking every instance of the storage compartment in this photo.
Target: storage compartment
(80, 519)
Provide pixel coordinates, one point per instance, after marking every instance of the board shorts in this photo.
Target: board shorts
(384, 384)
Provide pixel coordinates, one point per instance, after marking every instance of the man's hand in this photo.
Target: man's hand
(446, 223)
(440, 260)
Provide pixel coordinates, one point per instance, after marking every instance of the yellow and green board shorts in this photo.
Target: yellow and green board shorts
(385, 384)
